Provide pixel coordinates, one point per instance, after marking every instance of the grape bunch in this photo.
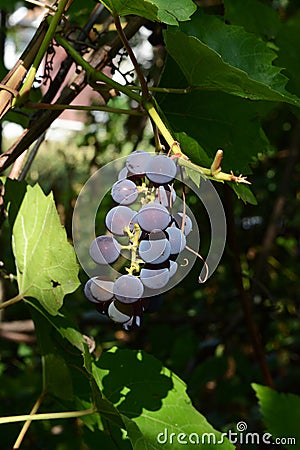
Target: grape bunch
(144, 195)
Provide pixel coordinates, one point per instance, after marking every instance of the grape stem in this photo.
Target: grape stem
(12, 301)
(27, 424)
(48, 416)
(134, 237)
(213, 172)
(62, 107)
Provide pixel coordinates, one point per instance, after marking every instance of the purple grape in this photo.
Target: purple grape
(134, 322)
(161, 169)
(177, 240)
(118, 218)
(153, 216)
(104, 250)
(173, 268)
(154, 251)
(154, 279)
(124, 192)
(128, 289)
(136, 162)
(166, 196)
(98, 289)
(116, 315)
(188, 224)
(123, 174)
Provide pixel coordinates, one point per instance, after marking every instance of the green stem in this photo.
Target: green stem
(24, 91)
(164, 90)
(61, 107)
(48, 416)
(212, 172)
(12, 301)
(27, 424)
(162, 128)
(93, 74)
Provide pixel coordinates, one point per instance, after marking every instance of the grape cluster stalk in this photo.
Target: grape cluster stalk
(144, 195)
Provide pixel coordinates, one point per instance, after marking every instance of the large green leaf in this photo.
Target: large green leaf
(57, 378)
(67, 372)
(166, 11)
(64, 376)
(281, 413)
(254, 16)
(216, 56)
(62, 323)
(155, 400)
(215, 120)
(288, 54)
(46, 263)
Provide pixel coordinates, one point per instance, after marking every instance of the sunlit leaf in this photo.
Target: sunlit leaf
(281, 413)
(155, 401)
(216, 56)
(46, 263)
(157, 10)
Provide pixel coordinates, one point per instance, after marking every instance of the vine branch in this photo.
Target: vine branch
(145, 92)
(62, 107)
(12, 301)
(93, 74)
(48, 416)
(27, 424)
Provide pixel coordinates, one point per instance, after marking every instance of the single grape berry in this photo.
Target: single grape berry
(155, 279)
(177, 240)
(123, 174)
(118, 218)
(153, 216)
(128, 289)
(161, 169)
(98, 289)
(136, 162)
(166, 196)
(188, 224)
(104, 250)
(116, 315)
(124, 192)
(155, 251)
(173, 268)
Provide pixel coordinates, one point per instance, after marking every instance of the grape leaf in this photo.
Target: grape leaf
(216, 56)
(254, 16)
(215, 120)
(138, 440)
(166, 11)
(62, 323)
(57, 378)
(281, 413)
(289, 48)
(155, 400)
(244, 193)
(46, 264)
